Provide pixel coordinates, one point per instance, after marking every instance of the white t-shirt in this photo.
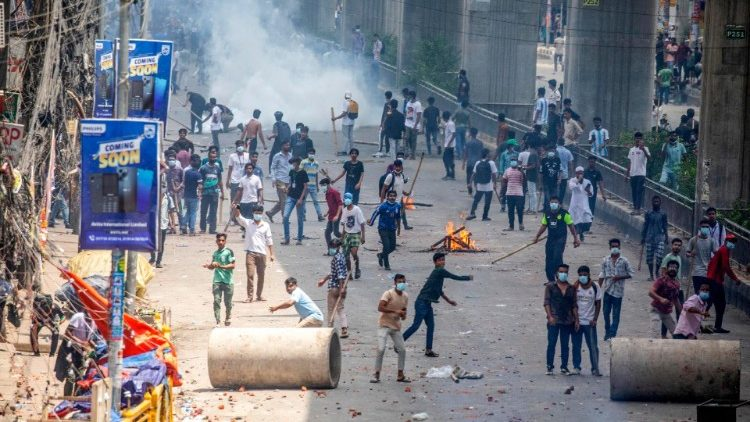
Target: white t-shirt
(486, 187)
(587, 302)
(412, 109)
(541, 108)
(346, 121)
(553, 97)
(257, 236)
(352, 219)
(638, 161)
(398, 184)
(250, 186)
(450, 132)
(523, 157)
(237, 163)
(80, 329)
(216, 119)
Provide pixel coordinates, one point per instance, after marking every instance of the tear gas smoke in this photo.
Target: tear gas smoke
(259, 60)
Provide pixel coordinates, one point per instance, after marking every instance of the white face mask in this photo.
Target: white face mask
(257, 217)
(311, 157)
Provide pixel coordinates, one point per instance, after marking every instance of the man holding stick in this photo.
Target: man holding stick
(337, 288)
(554, 221)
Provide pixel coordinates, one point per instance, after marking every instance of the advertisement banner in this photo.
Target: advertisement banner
(105, 76)
(119, 184)
(12, 136)
(150, 69)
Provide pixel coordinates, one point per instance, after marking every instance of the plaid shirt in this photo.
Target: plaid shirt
(338, 271)
(621, 267)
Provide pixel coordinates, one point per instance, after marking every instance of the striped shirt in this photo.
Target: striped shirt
(541, 109)
(621, 267)
(514, 177)
(599, 136)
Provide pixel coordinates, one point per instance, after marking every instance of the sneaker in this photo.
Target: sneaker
(299, 243)
(270, 216)
(387, 268)
(486, 219)
(564, 371)
(522, 228)
(321, 218)
(596, 373)
(408, 228)
(228, 322)
(719, 330)
(575, 371)
(471, 217)
(380, 260)
(357, 274)
(550, 371)
(285, 242)
(446, 178)
(158, 265)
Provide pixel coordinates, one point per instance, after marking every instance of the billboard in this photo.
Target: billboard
(119, 184)
(11, 136)
(150, 74)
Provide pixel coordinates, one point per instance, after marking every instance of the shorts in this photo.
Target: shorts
(351, 240)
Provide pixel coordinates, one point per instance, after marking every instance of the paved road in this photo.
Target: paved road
(497, 328)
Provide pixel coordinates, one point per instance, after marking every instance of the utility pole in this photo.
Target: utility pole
(548, 24)
(118, 264)
(400, 52)
(145, 18)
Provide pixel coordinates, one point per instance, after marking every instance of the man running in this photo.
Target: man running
(353, 225)
(392, 308)
(389, 226)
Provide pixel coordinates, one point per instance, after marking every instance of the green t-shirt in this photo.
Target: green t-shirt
(665, 77)
(223, 257)
(673, 156)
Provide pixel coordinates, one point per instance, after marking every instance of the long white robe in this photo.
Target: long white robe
(579, 201)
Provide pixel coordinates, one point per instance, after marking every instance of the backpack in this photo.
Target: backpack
(483, 173)
(283, 131)
(352, 110)
(381, 182)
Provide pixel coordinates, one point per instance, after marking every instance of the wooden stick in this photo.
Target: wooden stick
(518, 250)
(335, 137)
(338, 300)
(419, 167)
(640, 260)
(443, 239)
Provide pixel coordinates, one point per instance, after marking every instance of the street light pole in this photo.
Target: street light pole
(118, 262)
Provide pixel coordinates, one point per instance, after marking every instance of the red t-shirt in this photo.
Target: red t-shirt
(333, 199)
(668, 289)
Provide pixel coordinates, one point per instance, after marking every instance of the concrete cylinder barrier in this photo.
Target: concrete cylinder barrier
(274, 357)
(644, 369)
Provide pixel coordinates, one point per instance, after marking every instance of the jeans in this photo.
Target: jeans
(664, 94)
(246, 209)
(515, 203)
(291, 203)
(392, 144)
(383, 141)
(587, 332)
(562, 189)
(398, 344)
(209, 205)
(349, 188)
(312, 192)
(553, 256)
(469, 171)
(219, 290)
(460, 140)
(159, 252)
(191, 211)
(255, 262)
(332, 227)
(592, 202)
(612, 306)
(281, 188)
(388, 238)
(215, 141)
(348, 131)
(449, 163)
(422, 312)
(669, 179)
(430, 138)
(411, 141)
(563, 332)
(532, 196)
(195, 121)
(59, 206)
(487, 201)
(637, 188)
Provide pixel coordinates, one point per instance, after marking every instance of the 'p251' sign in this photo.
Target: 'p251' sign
(11, 136)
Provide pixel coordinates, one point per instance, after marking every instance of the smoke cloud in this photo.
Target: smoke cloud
(258, 59)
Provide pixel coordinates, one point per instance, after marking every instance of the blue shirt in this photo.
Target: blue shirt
(192, 178)
(565, 158)
(280, 167)
(305, 306)
(389, 214)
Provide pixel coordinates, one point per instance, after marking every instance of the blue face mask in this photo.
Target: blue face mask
(584, 279)
(401, 286)
(730, 245)
(554, 206)
(705, 231)
(614, 251)
(332, 251)
(704, 296)
(347, 202)
(514, 164)
(562, 276)
(240, 149)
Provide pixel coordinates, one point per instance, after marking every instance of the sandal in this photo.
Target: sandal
(248, 300)
(403, 379)
(374, 380)
(344, 333)
(431, 354)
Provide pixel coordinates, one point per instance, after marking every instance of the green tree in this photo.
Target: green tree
(435, 60)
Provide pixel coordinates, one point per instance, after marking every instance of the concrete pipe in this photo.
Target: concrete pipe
(674, 370)
(274, 357)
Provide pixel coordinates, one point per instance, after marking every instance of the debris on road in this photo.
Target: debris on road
(420, 416)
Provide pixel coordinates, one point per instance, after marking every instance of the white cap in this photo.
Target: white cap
(579, 169)
(348, 95)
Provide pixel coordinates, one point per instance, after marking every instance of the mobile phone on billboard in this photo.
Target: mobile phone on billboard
(145, 187)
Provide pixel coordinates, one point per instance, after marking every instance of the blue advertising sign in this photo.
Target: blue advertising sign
(150, 70)
(119, 184)
(105, 75)
(150, 77)
(117, 295)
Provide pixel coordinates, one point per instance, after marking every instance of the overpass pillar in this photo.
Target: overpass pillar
(609, 65)
(724, 147)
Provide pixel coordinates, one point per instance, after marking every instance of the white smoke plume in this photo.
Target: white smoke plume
(259, 60)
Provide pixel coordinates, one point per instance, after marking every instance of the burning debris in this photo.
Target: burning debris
(456, 240)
